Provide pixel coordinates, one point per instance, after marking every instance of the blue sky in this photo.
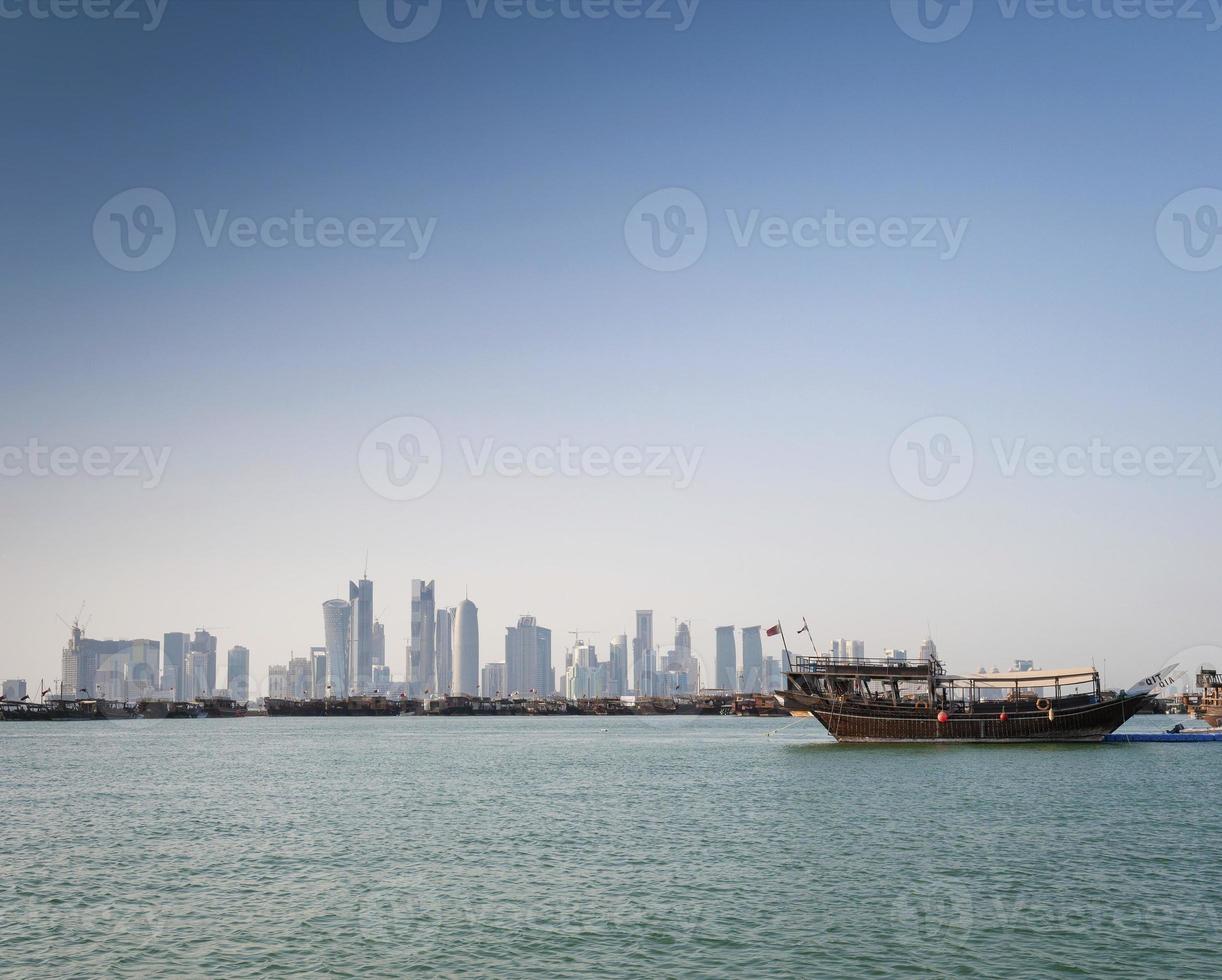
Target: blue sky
(527, 320)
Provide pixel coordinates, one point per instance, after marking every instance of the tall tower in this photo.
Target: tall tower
(618, 681)
(753, 659)
(642, 650)
(379, 644)
(237, 673)
(360, 653)
(421, 650)
(174, 649)
(466, 650)
(528, 659)
(444, 646)
(727, 659)
(337, 626)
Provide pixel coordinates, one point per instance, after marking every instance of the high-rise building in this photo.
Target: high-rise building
(617, 682)
(381, 678)
(278, 681)
(14, 690)
(466, 650)
(929, 650)
(133, 672)
(337, 628)
(584, 676)
(896, 656)
(237, 675)
(726, 665)
(642, 648)
(421, 649)
(204, 643)
(857, 651)
(195, 675)
(492, 681)
(753, 660)
(379, 644)
(174, 649)
(443, 644)
(528, 659)
(298, 678)
(360, 640)
(773, 681)
(318, 672)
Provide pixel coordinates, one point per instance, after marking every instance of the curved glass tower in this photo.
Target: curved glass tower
(337, 624)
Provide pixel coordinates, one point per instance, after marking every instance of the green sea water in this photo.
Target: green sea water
(600, 847)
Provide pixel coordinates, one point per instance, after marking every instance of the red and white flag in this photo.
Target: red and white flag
(774, 630)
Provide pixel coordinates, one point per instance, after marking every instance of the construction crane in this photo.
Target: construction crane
(76, 624)
(576, 634)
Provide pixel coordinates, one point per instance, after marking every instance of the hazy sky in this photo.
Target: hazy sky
(1053, 306)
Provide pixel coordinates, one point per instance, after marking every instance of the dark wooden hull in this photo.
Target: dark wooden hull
(858, 722)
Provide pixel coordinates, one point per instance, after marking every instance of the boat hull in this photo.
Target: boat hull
(849, 722)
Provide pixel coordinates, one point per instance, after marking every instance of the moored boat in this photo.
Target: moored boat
(1207, 703)
(900, 701)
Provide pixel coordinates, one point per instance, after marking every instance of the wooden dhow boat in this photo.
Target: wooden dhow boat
(903, 701)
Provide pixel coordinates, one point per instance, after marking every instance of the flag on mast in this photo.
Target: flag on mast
(774, 630)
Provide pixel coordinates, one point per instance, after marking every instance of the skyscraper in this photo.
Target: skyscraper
(195, 675)
(318, 672)
(337, 628)
(528, 659)
(726, 659)
(421, 650)
(492, 681)
(237, 674)
(204, 643)
(444, 647)
(857, 651)
(298, 678)
(617, 683)
(753, 660)
(360, 656)
(379, 644)
(466, 650)
(174, 649)
(642, 651)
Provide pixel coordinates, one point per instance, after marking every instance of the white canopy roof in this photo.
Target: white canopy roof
(1029, 678)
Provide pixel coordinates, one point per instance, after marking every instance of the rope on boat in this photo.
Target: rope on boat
(783, 728)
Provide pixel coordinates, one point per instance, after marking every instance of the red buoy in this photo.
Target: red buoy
(1002, 716)
(943, 717)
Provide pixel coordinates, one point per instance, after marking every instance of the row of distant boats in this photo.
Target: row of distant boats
(97, 709)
